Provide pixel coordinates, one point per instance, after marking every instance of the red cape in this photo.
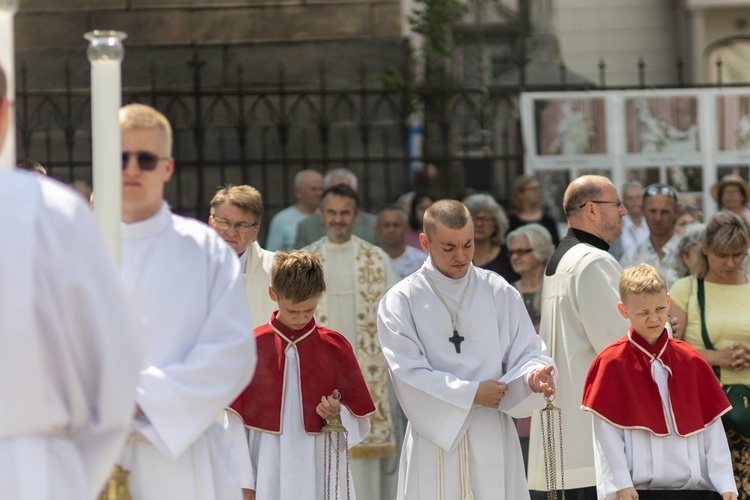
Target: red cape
(620, 389)
(325, 362)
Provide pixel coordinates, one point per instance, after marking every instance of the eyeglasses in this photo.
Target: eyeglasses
(146, 161)
(662, 189)
(617, 204)
(483, 220)
(224, 224)
(520, 251)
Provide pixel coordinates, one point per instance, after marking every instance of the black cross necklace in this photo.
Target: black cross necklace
(456, 339)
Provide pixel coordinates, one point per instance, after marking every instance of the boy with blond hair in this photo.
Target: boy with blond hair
(306, 375)
(657, 407)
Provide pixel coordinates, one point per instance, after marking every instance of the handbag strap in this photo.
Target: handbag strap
(704, 331)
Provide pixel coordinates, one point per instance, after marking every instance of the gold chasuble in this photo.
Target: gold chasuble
(367, 278)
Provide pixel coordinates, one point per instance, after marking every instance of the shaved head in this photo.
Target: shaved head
(449, 213)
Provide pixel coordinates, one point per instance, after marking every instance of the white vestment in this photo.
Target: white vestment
(201, 355)
(70, 345)
(257, 265)
(436, 385)
(579, 319)
(290, 465)
(700, 461)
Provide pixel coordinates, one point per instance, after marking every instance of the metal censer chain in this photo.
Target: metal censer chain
(551, 422)
(334, 427)
(117, 485)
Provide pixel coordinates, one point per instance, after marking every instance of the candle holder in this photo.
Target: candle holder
(8, 10)
(105, 52)
(105, 45)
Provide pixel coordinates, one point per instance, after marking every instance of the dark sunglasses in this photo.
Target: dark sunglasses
(146, 161)
(662, 189)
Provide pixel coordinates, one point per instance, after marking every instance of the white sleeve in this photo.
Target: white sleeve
(182, 399)
(241, 452)
(612, 472)
(357, 427)
(719, 458)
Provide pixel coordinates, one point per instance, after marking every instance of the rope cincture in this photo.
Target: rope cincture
(463, 457)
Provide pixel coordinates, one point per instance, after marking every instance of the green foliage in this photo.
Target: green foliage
(433, 21)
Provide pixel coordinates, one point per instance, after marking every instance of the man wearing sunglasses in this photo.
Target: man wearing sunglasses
(580, 293)
(660, 248)
(70, 342)
(201, 354)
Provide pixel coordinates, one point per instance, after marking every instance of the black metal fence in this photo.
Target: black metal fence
(262, 137)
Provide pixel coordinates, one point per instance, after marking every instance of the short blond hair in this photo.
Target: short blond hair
(297, 276)
(140, 116)
(449, 213)
(246, 198)
(641, 279)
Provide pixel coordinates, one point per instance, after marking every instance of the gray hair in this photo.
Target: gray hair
(340, 173)
(477, 202)
(539, 238)
(692, 236)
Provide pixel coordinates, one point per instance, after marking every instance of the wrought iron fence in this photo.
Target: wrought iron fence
(262, 137)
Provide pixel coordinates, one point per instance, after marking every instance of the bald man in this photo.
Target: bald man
(579, 319)
(308, 186)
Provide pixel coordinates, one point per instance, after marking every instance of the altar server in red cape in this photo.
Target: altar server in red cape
(306, 374)
(658, 407)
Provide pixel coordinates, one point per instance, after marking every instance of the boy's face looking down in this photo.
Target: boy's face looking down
(294, 315)
(647, 313)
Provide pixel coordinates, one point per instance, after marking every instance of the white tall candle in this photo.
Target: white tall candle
(107, 150)
(7, 60)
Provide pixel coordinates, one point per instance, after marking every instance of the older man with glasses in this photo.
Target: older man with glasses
(236, 212)
(660, 248)
(579, 319)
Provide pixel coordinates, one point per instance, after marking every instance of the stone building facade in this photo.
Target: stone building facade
(258, 34)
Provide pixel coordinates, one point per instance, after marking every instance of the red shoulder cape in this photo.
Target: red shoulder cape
(620, 388)
(326, 362)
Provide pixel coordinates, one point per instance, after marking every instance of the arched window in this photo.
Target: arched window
(734, 53)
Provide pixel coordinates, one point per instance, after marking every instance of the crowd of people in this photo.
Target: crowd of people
(208, 367)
